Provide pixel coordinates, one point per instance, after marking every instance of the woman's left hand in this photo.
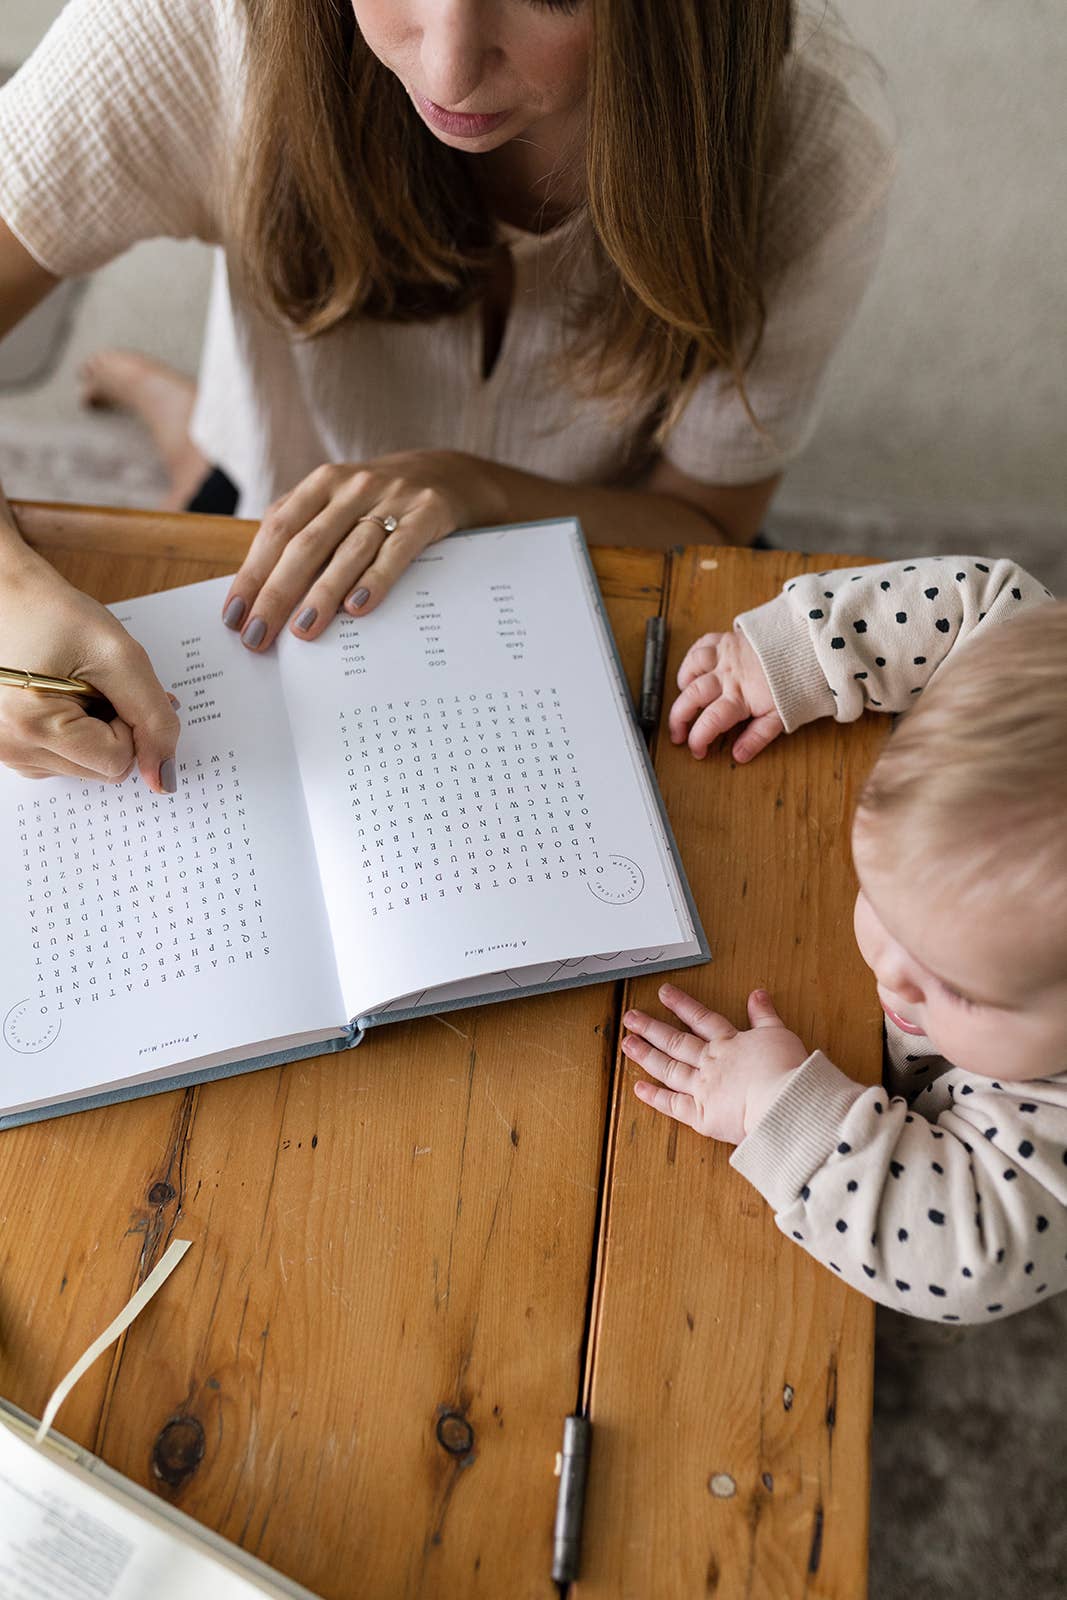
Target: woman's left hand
(317, 553)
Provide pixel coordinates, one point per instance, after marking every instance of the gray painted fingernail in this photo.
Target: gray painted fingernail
(255, 633)
(306, 619)
(234, 612)
(360, 597)
(168, 778)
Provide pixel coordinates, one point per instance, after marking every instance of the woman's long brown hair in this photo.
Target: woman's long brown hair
(345, 205)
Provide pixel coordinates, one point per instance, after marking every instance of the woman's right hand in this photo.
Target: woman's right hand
(723, 683)
(48, 626)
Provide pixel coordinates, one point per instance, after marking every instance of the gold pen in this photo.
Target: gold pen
(16, 678)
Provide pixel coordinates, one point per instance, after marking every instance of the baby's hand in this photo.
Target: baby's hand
(722, 684)
(715, 1079)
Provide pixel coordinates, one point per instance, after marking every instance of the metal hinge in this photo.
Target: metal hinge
(572, 1466)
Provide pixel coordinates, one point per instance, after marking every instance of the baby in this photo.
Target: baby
(945, 1194)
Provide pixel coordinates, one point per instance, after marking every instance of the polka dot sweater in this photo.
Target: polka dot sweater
(834, 644)
(943, 1195)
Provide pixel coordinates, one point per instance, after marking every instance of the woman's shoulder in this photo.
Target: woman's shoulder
(180, 44)
(118, 128)
(836, 145)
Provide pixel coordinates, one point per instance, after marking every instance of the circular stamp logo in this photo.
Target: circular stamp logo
(617, 881)
(30, 1027)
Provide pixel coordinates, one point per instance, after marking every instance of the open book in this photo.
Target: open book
(71, 1526)
(444, 803)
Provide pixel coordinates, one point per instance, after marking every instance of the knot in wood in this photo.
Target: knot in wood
(160, 1193)
(455, 1434)
(178, 1450)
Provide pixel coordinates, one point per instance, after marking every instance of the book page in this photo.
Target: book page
(144, 931)
(474, 785)
(62, 1535)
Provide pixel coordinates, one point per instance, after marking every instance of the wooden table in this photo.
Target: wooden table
(412, 1260)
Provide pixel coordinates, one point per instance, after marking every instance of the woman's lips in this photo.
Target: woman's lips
(460, 124)
(905, 1027)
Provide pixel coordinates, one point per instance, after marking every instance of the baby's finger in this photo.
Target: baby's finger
(704, 1022)
(699, 693)
(724, 714)
(682, 1107)
(699, 658)
(673, 1042)
(761, 1012)
(760, 732)
(675, 1074)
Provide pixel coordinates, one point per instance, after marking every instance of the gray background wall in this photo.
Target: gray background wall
(951, 390)
(947, 404)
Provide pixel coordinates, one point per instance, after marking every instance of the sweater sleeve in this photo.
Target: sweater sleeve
(958, 1217)
(116, 129)
(833, 644)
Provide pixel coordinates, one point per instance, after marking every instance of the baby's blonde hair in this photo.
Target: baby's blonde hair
(971, 788)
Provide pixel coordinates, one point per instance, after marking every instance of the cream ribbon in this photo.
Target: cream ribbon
(133, 1307)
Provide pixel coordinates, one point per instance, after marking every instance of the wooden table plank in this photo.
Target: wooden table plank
(134, 535)
(730, 1375)
(391, 1246)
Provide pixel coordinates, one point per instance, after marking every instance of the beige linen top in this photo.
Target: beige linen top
(119, 128)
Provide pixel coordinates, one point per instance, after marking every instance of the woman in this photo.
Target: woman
(483, 261)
